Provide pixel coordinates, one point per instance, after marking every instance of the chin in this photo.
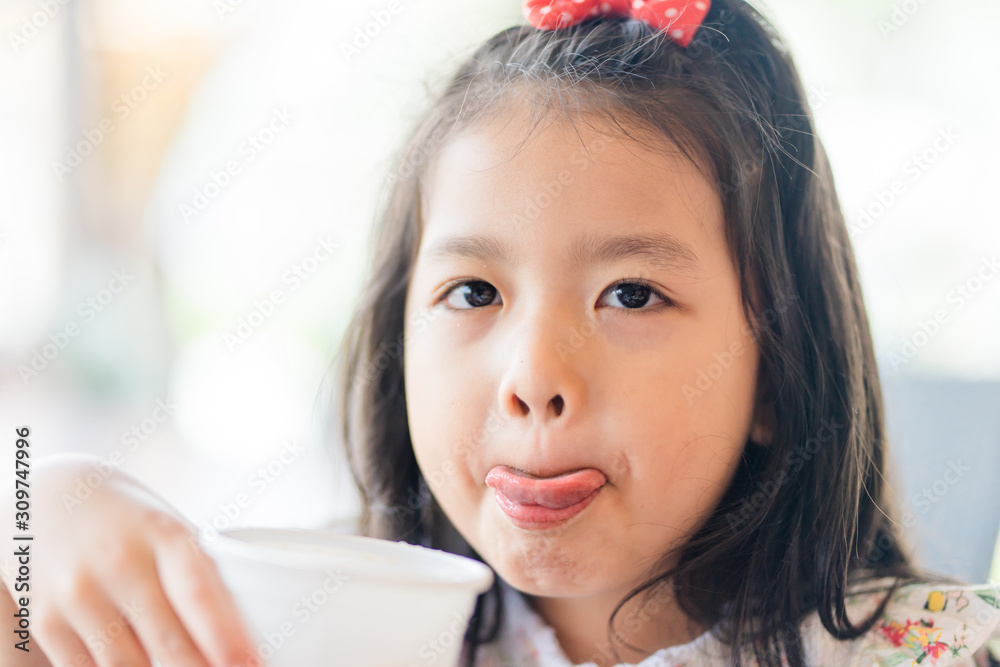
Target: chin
(540, 584)
(546, 570)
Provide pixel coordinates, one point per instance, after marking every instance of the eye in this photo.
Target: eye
(469, 295)
(633, 294)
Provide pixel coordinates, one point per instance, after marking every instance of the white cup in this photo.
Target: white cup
(315, 598)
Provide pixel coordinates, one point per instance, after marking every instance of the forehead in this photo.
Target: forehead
(515, 149)
(584, 178)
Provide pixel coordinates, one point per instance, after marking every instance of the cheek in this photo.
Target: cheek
(684, 421)
(443, 412)
(716, 379)
(700, 381)
(671, 450)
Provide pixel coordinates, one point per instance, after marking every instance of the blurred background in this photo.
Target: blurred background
(187, 186)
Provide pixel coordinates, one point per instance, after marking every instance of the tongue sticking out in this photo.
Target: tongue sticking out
(551, 492)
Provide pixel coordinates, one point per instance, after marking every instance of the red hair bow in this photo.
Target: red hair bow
(679, 19)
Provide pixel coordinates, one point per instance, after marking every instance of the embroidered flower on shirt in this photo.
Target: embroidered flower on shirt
(920, 640)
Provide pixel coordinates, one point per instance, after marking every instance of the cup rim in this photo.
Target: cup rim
(465, 572)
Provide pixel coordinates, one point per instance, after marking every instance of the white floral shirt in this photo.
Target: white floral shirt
(924, 624)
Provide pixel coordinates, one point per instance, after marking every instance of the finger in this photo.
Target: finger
(194, 587)
(102, 627)
(129, 577)
(162, 633)
(59, 643)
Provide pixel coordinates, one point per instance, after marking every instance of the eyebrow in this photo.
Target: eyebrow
(657, 250)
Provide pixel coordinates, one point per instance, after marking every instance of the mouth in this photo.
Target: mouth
(538, 503)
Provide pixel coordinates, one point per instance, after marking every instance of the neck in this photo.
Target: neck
(643, 625)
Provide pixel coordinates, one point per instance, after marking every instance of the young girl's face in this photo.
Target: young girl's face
(534, 348)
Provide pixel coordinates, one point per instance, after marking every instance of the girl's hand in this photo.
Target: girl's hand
(117, 577)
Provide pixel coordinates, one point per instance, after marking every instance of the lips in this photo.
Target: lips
(542, 502)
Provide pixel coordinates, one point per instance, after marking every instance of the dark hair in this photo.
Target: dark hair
(806, 514)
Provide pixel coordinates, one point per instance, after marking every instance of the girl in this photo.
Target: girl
(614, 345)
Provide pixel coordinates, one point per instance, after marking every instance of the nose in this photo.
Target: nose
(557, 402)
(543, 379)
